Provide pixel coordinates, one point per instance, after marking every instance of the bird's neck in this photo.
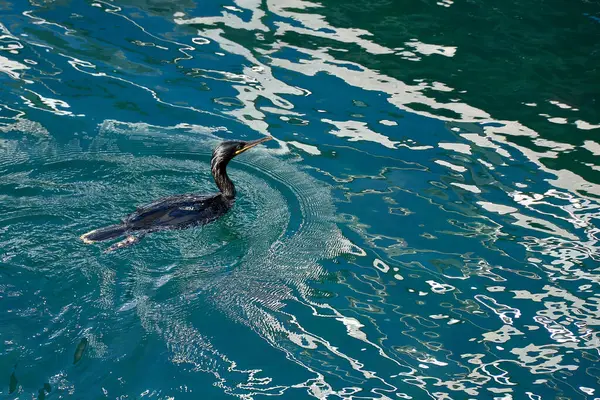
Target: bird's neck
(223, 182)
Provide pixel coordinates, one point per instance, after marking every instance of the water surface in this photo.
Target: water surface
(424, 225)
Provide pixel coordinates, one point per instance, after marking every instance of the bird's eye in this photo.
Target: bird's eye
(240, 146)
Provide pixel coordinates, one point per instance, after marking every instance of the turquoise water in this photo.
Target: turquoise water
(423, 226)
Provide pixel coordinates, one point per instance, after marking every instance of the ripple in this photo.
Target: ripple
(246, 266)
(484, 239)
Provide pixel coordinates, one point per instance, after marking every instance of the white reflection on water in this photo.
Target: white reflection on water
(255, 294)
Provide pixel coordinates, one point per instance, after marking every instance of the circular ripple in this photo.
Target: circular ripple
(245, 266)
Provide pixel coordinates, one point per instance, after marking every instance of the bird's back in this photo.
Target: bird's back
(179, 211)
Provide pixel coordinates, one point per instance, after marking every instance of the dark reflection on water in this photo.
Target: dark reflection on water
(425, 225)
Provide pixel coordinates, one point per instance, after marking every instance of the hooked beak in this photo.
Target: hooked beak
(253, 143)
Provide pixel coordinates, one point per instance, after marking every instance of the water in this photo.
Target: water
(424, 225)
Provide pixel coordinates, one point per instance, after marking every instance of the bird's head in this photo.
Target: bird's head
(225, 151)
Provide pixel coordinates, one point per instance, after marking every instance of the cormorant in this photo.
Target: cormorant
(182, 211)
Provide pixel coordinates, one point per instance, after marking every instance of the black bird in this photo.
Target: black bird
(182, 211)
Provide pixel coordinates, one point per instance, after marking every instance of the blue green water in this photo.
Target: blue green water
(423, 226)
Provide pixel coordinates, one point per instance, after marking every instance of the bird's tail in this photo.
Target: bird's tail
(98, 235)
